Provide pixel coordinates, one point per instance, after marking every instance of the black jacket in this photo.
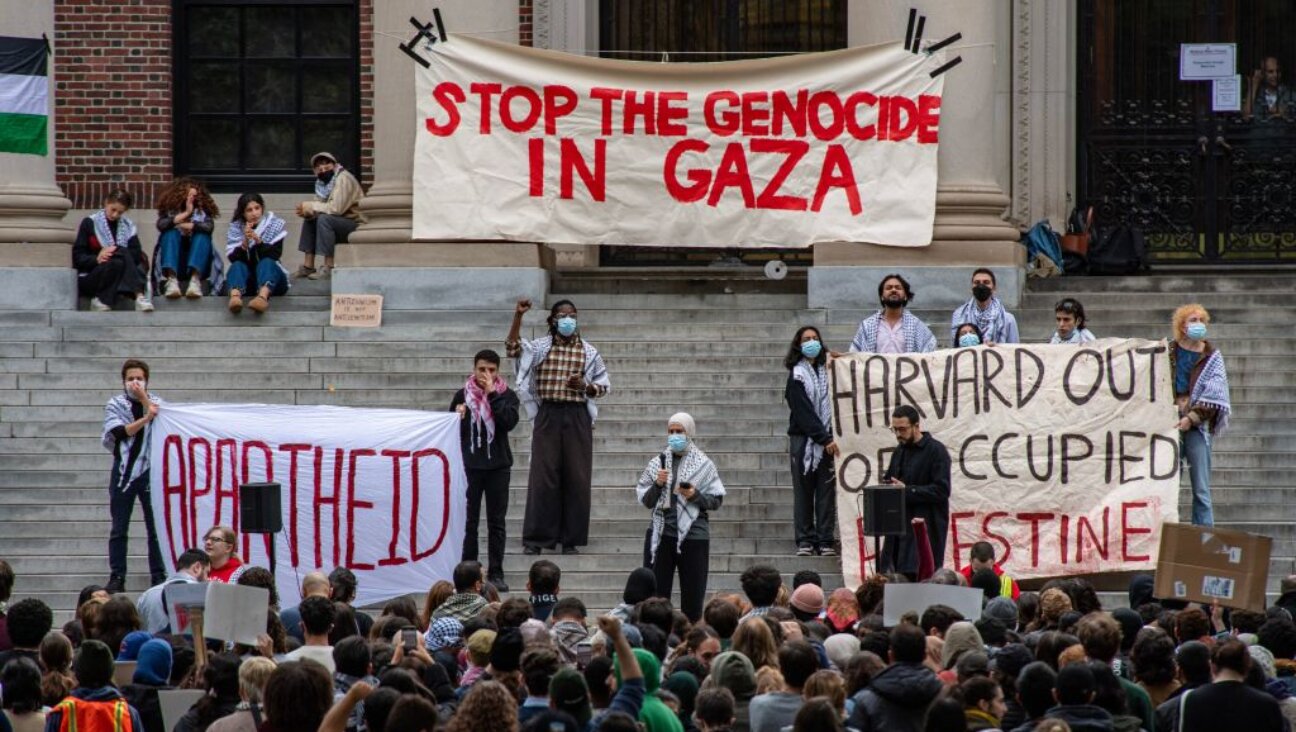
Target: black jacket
(145, 700)
(85, 250)
(896, 700)
(1082, 717)
(804, 418)
(505, 408)
(924, 468)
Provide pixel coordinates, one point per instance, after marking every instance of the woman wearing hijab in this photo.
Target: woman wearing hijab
(680, 486)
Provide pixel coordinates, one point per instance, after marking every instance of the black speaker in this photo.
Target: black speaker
(259, 509)
(884, 511)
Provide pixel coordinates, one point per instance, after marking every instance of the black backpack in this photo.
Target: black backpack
(1117, 250)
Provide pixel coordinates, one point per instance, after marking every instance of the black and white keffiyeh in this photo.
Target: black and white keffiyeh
(696, 469)
(918, 337)
(1212, 390)
(990, 319)
(814, 379)
(103, 232)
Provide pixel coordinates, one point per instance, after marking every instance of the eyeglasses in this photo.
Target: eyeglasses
(899, 430)
(214, 540)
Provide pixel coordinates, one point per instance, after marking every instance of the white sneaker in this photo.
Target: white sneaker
(97, 306)
(194, 290)
(171, 289)
(143, 305)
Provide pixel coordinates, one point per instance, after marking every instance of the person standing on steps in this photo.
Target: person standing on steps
(681, 486)
(558, 378)
(893, 329)
(128, 418)
(921, 466)
(984, 310)
(1201, 391)
(488, 411)
(811, 447)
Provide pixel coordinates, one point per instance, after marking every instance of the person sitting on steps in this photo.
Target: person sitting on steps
(330, 217)
(186, 218)
(253, 247)
(108, 257)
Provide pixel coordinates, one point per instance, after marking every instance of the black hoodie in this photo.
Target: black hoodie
(896, 700)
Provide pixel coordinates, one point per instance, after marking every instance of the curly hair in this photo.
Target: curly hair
(488, 707)
(1153, 657)
(171, 199)
(1179, 321)
(869, 594)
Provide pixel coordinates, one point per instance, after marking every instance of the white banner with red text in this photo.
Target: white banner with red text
(1064, 459)
(379, 491)
(524, 144)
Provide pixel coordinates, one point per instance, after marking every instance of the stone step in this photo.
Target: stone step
(1185, 284)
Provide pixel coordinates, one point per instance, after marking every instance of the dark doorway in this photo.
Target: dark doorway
(1203, 186)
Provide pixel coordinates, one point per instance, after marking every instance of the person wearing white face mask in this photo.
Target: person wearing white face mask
(1201, 392)
(558, 378)
(126, 434)
(810, 444)
(682, 487)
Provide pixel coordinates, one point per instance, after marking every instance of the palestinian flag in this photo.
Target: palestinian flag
(24, 95)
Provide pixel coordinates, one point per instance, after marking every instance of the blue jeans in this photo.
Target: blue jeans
(121, 503)
(1198, 453)
(268, 272)
(200, 253)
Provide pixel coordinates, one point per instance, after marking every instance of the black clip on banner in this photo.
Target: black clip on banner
(425, 34)
(913, 41)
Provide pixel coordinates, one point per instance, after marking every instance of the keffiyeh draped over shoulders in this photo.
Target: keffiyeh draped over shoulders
(814, 379)
(696, 469)
(1212, 390)
(918, 337)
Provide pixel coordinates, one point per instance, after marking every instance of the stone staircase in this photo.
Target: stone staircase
(671, 342)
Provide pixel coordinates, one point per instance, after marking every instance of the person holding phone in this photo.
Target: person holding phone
(558, 378)
(253, 246)
(128, 417)
(681, 486)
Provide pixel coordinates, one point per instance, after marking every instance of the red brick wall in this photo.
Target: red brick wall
(524, 22)
(113, 97)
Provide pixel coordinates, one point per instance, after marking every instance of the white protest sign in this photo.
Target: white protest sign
(379, 491)
(175, 702)
(899, 598)
(1199, 61)
(527, 144)
(235, 613)
(180, 598)
(1064, 458)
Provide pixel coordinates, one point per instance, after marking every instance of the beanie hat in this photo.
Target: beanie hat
(841, 647)
(972, 663)
(444, 632)
(1265, 659)
(1140, 590)
(130, 645)
(1130, 622)
(1011, 659)
(506, 651)
(568, 693)
(93, 665)
(808, 598)
(640, 585)
(154, 665)
(479, 646)
(1002, 609)
(733, 671)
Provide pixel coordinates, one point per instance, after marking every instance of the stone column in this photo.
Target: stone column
(970, 229)
(35, 253)
(381, 257)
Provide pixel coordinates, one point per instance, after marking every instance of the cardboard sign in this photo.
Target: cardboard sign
(175, 702)
(1204, 564)
(356, 311)
(1064, 458)
(1200, 61)
(235, 613)
(528, 144)
(900, 598)
(123, 672)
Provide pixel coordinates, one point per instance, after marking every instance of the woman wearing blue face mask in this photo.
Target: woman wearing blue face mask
(810, 444)
(681, 486)
(558, 378)
(967, 336)
(1202, 394)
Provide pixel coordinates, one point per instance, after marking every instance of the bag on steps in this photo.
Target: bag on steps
(1117, 250)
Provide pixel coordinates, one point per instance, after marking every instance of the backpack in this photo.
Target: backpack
(1118, 250)
(1042, 240)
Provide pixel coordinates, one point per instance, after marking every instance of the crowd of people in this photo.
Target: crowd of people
(111, 264)
(771, 658)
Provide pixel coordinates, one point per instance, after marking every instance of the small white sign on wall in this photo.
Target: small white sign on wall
(1200, 61)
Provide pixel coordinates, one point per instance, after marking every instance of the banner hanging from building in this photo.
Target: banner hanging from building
(522, 144)
(379, 491)
(1065, 459)
(24, 95)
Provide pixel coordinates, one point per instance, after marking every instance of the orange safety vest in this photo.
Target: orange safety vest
(80, 715)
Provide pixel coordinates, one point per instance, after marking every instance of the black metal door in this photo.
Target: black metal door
(1203, 186)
